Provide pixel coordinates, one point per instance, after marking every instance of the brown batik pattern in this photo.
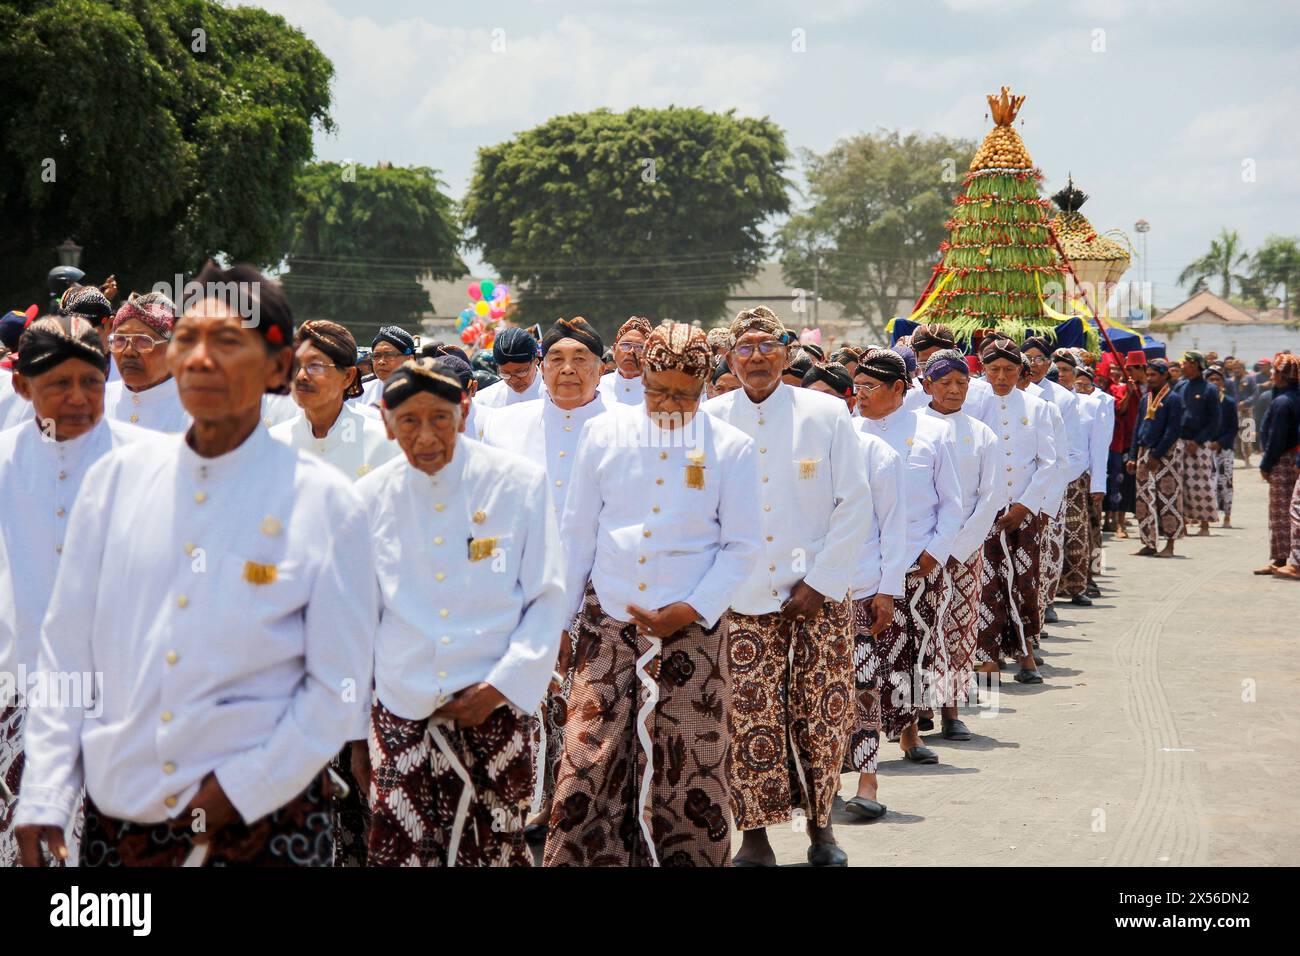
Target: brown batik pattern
(1224, 461)
(12, 718)
(298, 834)
(1159, 509)
(789, 720)
(907, 654)
(1051, 559)
(1077, 550)
(1094, 537)
(863, 750)
(415, 790)
(1200, 501)
(1281, 490)
(1010, 618)
(349, 814)
(960, 628)
(1294, 558)
(594, 816)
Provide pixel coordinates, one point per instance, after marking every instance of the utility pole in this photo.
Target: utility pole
(817, 276)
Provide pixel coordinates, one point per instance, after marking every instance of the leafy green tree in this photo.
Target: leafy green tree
(1276, 264)
(1225, 261)
(875, 214)
(154, 133)
(360, 239)
(654, 211)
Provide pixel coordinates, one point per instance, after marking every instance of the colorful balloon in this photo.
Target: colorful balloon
(468, 336)
(481, 307)
(501, 290)
(475, 292)
(485, 288)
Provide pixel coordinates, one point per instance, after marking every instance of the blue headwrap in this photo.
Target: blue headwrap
(944, 362)
(397, 337)
(515, 345)
(908, 357)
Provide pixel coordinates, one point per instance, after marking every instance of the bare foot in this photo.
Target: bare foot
(1205, 530)
(1168, 550)
(1144, 552)
(755, 848)
(1266, 569)
(1288, 571)
(1121, 532)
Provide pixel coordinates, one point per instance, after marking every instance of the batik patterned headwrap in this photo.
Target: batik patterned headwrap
(1191, 355)
(678, 347)
(637, 323)
(87, 302)
(996, 349)
(944, 362)
(758, 319)
(421, 375)
(336, 342)
(153, 309)
(833, 374)
(720, 339)
(885, 365)
(1287, 366)
(935, 336)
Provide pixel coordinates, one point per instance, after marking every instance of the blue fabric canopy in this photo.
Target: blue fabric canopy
(1070, 334)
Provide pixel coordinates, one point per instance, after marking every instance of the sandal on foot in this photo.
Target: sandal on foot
(920, 755)
(864, 808)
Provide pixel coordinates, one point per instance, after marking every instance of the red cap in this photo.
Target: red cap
(1135, 358)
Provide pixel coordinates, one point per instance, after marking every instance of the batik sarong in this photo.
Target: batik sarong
(298, 834)
(1094, 538)
(863, 750)
(1294, 559)
(1010, 619)
(1281, 489)
(960, 626)
(441, 792)
(349, 814)
(1198, 484)
(1160, 495)
(643, 776)
(792, 689)
(1051, 561)
(1224, 460)
(907, 654)
(12, 718)
(1077, 540)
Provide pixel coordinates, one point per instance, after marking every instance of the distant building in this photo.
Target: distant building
(1207, 323)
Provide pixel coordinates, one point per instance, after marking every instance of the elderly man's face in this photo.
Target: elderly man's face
(948, 394)
(1039, 363)
(222, 369)
(672, 397)
(425, 426)
(757, 358)
(820, 386)
(727, 382)
(319, 384)
(386, 358)
(1002, 374)
(876, 397)
(518, 376)
(571, 373)
(69, 396)
(140, 354)
(1065, 374)
(628, 351)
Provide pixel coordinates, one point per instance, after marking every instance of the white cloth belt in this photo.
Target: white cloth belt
(643, 735)
(1011, 597)
(467, 788)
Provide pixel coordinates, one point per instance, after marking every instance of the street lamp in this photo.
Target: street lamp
(69, 253)
(1142, 227)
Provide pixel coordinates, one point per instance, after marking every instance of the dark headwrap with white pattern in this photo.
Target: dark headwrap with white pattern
(884, 364)
(1001, 348)
(578, 329)
(51, 341)
(830, 373)
(422, 375)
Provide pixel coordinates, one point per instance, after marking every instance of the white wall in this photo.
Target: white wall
(1248, 342)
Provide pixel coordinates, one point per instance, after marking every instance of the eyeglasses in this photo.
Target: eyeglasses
(665, 395)
(317, 369)
(516, 376)
(634, 347)
(859, 389)
(121, 341)
(386, 357)
(1038, 360)
(766, 347)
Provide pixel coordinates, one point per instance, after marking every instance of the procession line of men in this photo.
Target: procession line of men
(387, 629)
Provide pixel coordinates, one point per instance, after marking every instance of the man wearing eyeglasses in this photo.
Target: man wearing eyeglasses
(392, 345)
(624, 385)
(661, 528)
(546, 432)
(517, 355)
(791, 643)
(60, 371)
(146, 393)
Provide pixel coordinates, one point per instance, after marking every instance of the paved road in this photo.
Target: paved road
(1165, 733)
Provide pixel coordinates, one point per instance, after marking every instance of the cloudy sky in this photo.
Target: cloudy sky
(1185, 113)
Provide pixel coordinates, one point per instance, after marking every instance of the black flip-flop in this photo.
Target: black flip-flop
(921, 755)
(827, 854)
(1026, 676)
(864, 809)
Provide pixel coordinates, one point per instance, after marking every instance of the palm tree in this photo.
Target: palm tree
(1224, 261)
(1277, 263)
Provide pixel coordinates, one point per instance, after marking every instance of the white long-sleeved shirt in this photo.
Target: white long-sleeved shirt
(225, 603)
(1097, 420)
(278, 408)
(14, 409)
(882, 527)
(1027, 472)
(812, 486)
(620, 390)
(372, 393)
(356, 443)
(40, 480)
(933, 500)
(448, 620)
(641, 533)
(1072, 457)
(157, 408)
(546, 435)
(500, 394)
(976, 456)
(977, 397)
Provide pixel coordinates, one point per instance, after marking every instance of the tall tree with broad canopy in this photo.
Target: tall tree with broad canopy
(655, 212)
